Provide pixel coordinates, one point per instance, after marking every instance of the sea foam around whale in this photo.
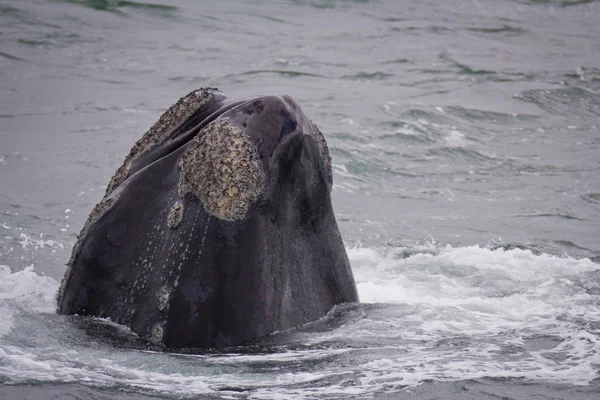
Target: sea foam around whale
(430, 313)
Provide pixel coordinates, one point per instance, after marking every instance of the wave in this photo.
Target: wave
(428, 313)
(116, 5)
(567, 101)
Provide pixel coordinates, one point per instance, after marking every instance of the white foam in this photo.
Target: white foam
(448, 314)
(465, 275)
(455, 138)
(29, 241)
(493, 298)
(27, 289)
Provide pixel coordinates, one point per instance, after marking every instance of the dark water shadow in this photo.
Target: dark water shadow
(117, 6)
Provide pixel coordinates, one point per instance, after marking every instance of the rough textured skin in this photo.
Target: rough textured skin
(219, 231)
(175, 215)
(221, 168)
(160, 131)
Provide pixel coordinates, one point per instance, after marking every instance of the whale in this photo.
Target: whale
(216, 230)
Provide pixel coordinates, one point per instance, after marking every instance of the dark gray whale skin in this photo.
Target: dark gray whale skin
(217, 229)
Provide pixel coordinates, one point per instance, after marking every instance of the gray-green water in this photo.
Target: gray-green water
(465, 138)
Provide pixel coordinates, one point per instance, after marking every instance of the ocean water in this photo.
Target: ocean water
(465, 138)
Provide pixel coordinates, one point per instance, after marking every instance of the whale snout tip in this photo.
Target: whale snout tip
(221, 168)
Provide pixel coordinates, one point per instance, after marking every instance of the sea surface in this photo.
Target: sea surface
(465, 138)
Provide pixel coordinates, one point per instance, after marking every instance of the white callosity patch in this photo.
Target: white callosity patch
(175, 215)
(221, 168)
(156, 333)
(162, 300)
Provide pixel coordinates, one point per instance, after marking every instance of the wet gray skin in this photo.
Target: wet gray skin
(218, 228)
